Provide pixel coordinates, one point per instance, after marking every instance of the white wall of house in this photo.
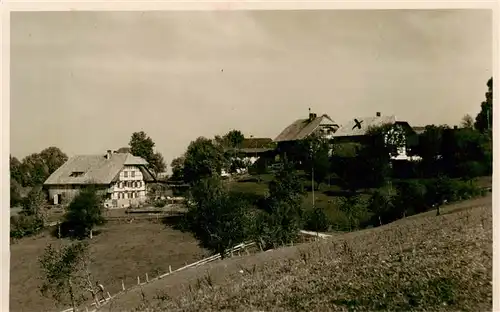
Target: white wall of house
(130, 185)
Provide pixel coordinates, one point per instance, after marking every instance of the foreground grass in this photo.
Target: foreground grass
(421, 263)
(120, 251)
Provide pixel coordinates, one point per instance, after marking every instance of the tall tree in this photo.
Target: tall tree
(34, 202)
(16, 172)
(467, 122)
(85, 212)
(375, 154)
(430, 148)
(484, 120)
(283, 213)
(157, 163)
(316, 161)
(345, 165)
(234, 138)
(34, 170)
(66, 273)
(203, 159)
(142, 145)
(53, 158)
(177, 166)
(15, 193)
(216, 217)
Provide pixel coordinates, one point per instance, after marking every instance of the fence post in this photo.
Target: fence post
(147, 278)
(138, 280)
(123, 286)
(170, 269)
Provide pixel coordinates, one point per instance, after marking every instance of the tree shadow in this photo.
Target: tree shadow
(69, 230)
(339, 193)
(177, 222)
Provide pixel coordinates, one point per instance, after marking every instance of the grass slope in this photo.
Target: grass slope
(121, 251)
(419, 263)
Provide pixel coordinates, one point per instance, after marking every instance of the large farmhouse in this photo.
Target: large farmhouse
(301, 129)
(356, 130)
(121, 177)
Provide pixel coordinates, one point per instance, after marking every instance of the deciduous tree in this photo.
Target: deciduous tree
(484, 120)
(66, 273)
(53, 158)
(283, 208)
(316, 158)
(34, 202)
(216, 217)
(142, 145)
(177, 166)
(203, 159)
(85, 212)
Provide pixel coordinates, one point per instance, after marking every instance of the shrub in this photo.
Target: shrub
(355, 213)
(412, 197)
(316, 220)
(383, 205)
(23, 225)
(160, 203)
(34, 201)
(216, 217)
(85, 212)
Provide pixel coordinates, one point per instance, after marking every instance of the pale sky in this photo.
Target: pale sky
(84, 81)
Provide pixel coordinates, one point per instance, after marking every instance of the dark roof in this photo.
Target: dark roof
(257, 143)
(301, 128)
(255, 150)
(96, 169)
(351, 129)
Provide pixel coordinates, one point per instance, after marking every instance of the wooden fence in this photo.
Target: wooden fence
(237, 248)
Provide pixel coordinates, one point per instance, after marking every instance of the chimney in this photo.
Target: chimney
(378, 114)
(108, 154)
(312, 116)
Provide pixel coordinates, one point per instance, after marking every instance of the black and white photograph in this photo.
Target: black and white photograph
(239, 159)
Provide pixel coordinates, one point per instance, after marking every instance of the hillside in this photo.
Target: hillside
(422, 262)
(120, 251)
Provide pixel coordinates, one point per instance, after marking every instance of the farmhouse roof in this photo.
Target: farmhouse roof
(96, 169)
(256, 143)
(360, 126)
(301, 128)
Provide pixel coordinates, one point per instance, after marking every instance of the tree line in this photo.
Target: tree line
(221, 218)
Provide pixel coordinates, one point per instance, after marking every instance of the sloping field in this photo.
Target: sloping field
(121, 251)
(420, 263)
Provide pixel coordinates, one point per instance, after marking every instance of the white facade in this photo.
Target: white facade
(130, 184)
(128, 190)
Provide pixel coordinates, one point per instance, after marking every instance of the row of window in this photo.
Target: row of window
(131, 184)
(127, 195)
(132, 174)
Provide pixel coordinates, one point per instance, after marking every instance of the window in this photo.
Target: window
(76, 174)
(125, 174)
(132, 174)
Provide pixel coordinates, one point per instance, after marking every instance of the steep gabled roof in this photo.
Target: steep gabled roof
(95, 169)
(302, 128)
(351, 128)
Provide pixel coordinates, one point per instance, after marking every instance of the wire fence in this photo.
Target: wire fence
(92, 307)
